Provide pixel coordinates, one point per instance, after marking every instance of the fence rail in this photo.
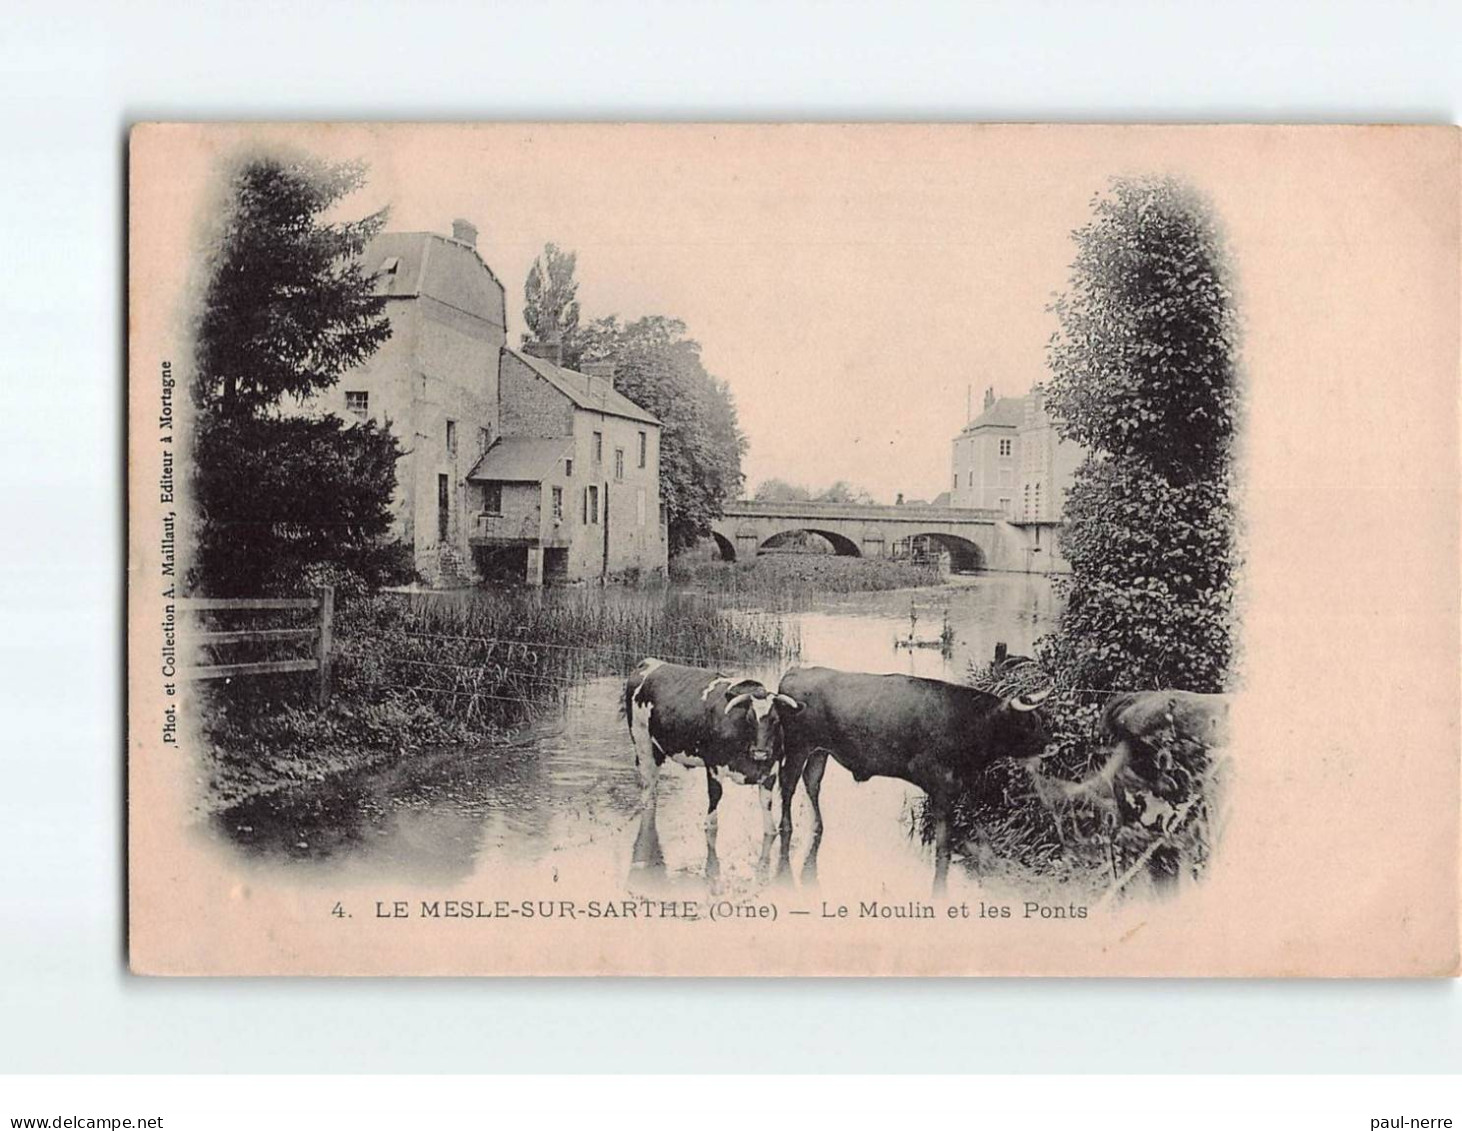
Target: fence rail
(321, 632)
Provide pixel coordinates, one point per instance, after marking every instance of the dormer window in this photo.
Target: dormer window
(388, 267)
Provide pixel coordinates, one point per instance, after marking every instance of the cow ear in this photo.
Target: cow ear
(747, 687)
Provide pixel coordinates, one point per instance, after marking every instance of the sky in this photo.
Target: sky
(851, 283)
(852, 286)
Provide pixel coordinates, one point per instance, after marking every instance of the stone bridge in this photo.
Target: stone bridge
(975, 539)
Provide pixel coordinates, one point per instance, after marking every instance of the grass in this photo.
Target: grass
(499, 655)
(414, 671)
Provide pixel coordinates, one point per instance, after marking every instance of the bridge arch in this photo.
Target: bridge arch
(964, 556)
(842, 545)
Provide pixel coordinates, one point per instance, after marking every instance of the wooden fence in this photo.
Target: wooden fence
(320, 632)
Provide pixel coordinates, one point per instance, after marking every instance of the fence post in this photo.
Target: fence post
(1001, 651)
(327, 617)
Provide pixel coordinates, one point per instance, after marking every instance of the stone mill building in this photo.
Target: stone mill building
(515, 467)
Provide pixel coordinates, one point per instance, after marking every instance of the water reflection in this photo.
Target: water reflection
(564, 797)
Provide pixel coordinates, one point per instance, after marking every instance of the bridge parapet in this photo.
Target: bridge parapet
(750, 508)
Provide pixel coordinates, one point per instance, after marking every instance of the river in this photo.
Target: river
(564, 797)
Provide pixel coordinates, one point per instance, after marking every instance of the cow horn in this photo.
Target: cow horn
(737, 700)
(1030, 702)
(787, 699)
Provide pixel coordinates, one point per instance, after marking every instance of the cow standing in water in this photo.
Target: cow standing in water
(699, 718)
(932, 734)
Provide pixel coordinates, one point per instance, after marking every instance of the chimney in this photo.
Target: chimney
(551, 351)
(989, 396)
(599, 371)
(464, 231)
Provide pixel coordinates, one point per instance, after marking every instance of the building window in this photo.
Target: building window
(956, 482)
(971, 482)
(358, 405)
(664, 515)
(484, 440)
(1005, 507)
(1004, 447)
(558, 504)
(492, 498)
(598, 447)
(1027, 504)
(452, 438)
(591, 505)
(640, 507)
(619, 463)
(568, 468)
(644, 448)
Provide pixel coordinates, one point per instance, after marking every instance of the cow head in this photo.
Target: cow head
(755, 716)
(1016, 727)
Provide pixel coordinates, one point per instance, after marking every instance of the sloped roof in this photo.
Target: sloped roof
(584, 391)
(521, 459)
(413, 264)
(1006, 412)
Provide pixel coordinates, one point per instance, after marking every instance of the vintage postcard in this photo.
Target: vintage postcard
(793, 550)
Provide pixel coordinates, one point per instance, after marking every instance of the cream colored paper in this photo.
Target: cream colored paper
(1341, 858)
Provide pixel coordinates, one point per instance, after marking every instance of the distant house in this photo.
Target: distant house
(1011, 459)
(984, 457)
(571, 489)
(453, 393)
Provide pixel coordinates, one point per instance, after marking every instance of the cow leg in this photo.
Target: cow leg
(713, 798)
(768, 796)
(941, 848)
(647, 851)
(809, 862)
(790, 773)
(812, 776)
(646, 766)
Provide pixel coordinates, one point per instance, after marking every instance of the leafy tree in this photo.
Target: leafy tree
(780, 491)
(701, 443)
(843, 492)
(1142, 372)
(288, 308)
(550, 302)
(293, 502)
(286, 501)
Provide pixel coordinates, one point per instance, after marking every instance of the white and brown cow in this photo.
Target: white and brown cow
(700, 718)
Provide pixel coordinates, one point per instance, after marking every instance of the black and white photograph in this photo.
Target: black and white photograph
(812, 549)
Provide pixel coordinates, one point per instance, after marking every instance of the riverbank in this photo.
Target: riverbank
(416, 672)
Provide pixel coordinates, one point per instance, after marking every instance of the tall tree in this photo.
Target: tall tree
(288, 307)
(701, 443)
(283, 501)
(781, 491)
(776, 490)
(1143, 373)
(551, 304)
